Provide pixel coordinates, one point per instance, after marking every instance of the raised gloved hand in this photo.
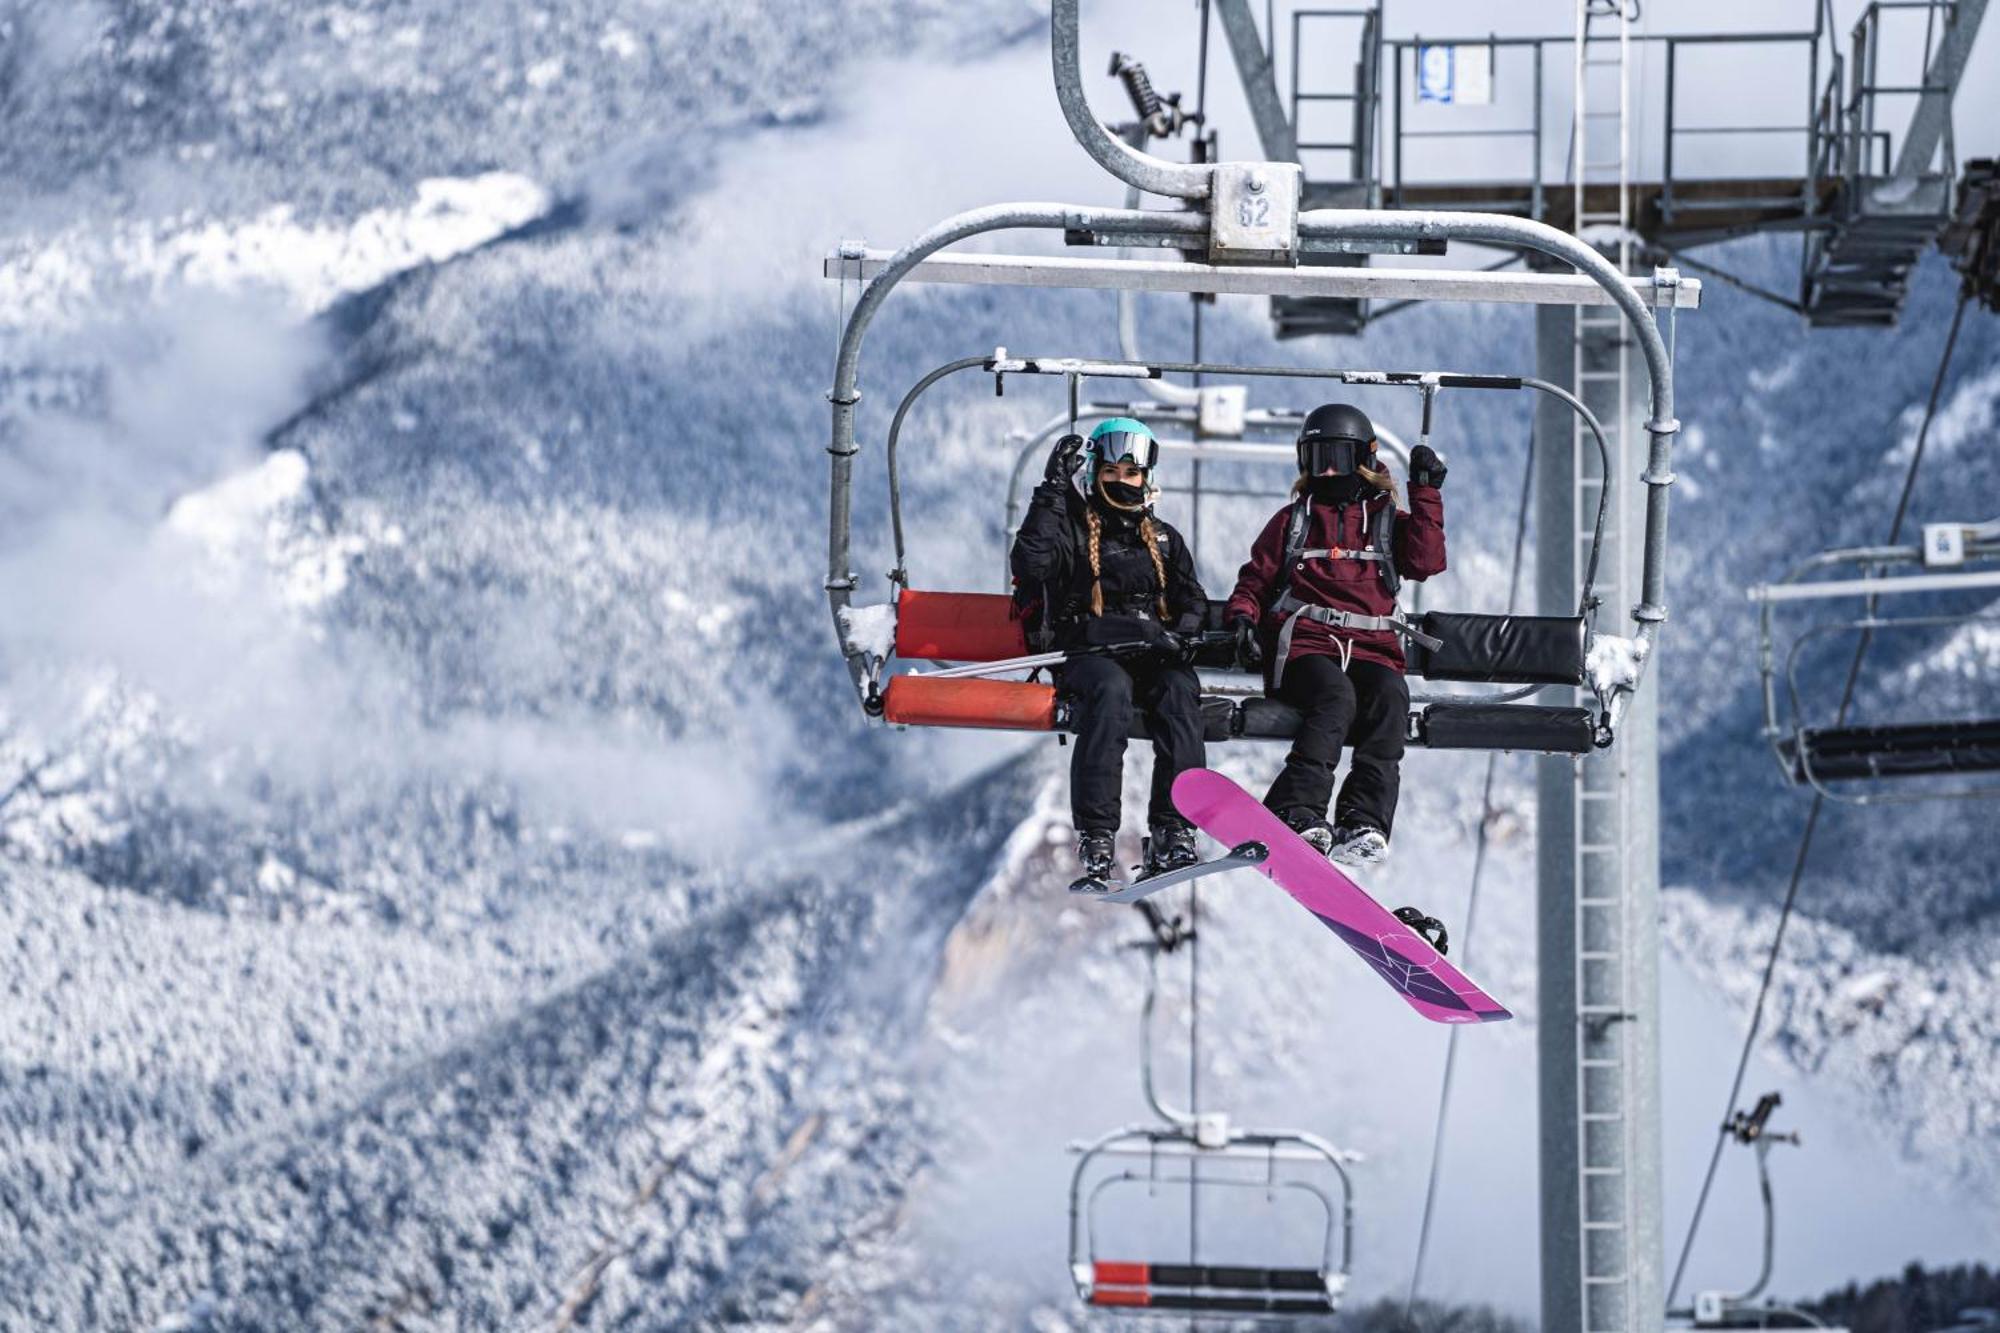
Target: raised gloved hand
(1426, 468)
(1062, 460)
(1249, 652)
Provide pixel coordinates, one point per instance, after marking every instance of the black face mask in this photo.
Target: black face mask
(1336, 490)
(1123, 495)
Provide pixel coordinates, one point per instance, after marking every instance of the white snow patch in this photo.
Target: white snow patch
(1968, 416)
(1614, 662)
(545, 72)
(708, 619)
(51, 282)
(255, 518)
(618, 41)
(1972, 652)
(870, 629)
(1778, 376)
(219, 516)
(1870, 991)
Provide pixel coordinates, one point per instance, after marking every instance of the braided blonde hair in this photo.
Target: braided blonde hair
(1096, 572)
(1147, 534)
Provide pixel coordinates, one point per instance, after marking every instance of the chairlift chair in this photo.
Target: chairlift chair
(1721, 1310)
(1245, 221)
(1841, 760)
(1186, 1156)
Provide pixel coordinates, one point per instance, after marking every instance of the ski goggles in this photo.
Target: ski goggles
(1126, 446)
(1340, 457)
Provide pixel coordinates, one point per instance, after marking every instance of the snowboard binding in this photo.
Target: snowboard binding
(1429, 927)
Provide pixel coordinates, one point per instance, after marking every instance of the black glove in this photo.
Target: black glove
(1426, 468)
(1062, 460)
(1249, 652)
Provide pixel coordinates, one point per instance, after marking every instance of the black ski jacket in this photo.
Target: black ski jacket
(1051, 564)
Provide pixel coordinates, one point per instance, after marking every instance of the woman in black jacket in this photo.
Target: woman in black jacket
(1096, 570)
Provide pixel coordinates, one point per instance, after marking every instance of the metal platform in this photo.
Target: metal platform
(1864, 174)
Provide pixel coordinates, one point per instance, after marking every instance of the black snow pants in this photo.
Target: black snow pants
(1365, 707)
(1104, 692)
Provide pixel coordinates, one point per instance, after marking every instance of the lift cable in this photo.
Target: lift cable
(1471, 910)
(1812, 816)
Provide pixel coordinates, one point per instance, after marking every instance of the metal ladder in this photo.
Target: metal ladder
(1602, 369)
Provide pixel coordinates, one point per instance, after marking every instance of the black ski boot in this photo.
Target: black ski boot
(1319, 834)
(1169, 846)
(1429, 927)
(1097, 853)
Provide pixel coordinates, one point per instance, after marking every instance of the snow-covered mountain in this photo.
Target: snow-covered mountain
(445, 881)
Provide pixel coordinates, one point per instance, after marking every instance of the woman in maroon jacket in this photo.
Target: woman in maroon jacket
(1315, 605)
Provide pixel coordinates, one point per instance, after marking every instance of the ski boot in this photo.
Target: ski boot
(1429, 927)
(1169, 846)
(1318, 834)
(1097, 853)
(1359, 845)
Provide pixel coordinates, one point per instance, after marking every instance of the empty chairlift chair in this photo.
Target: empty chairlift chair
(1848, 760)
(1294, 1182)
(1156, 1164)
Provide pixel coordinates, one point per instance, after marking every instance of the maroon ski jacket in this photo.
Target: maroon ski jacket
(1417, 545)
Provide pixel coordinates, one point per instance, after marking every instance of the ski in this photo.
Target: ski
(1114, 891)
(1400, 956)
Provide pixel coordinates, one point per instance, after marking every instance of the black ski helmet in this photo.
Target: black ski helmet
(1336, 435)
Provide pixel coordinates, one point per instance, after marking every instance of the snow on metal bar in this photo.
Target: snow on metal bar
(1422, 284)
(1806, 592)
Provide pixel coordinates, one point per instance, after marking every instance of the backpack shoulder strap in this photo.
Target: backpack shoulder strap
(1297, 527)
(1383, 539)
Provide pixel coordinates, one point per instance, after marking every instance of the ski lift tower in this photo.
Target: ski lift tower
(1372, 127)
(1597, 851)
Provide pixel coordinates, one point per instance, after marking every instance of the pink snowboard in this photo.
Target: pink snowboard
(1420, 974)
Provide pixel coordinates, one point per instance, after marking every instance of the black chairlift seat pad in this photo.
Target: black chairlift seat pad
(1491, 650)
(1438, 726)
(1236, 1279)
(1137, 1286)
(1909, 749)
(1477, 726)
(1500, 650)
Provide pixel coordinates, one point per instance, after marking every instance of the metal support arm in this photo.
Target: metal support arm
(1143, 170)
